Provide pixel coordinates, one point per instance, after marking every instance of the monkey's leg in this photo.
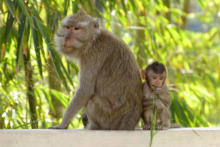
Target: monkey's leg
(165, 119)
(129, 121)
(146, 127)
(92, 113)
(93, 126)
(147, 116)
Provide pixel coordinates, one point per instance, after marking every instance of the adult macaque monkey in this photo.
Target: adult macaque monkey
(155, 94)
(109, 80)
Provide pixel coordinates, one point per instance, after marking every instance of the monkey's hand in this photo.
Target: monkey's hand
(147, 126)
(158, 90)
(58, 127)
(159, 124)
(161, 90)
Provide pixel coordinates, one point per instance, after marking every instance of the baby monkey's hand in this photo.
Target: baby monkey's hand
(158, 90)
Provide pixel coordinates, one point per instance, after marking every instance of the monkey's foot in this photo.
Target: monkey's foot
(146, 127)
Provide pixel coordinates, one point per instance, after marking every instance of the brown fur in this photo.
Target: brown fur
(109, 80)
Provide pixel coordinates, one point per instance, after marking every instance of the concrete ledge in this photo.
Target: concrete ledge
(184, 137)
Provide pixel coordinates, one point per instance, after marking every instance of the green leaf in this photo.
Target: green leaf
(75, 8)
(133, 5)
(10, 7)
(60, 97)
(21, 30)
(24, 10)
(124, 6)
(47, 96)
(37, 46)
(179, 110)
(23, 7)
(56, 60)
(8, 29)
(66, 6)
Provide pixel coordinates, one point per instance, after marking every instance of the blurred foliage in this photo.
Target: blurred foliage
(182, 34)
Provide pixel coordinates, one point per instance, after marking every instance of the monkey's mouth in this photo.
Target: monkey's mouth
(67, 49)
(153, 86)
(158, 88)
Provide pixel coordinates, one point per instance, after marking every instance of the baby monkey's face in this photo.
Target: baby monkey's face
(156, 80)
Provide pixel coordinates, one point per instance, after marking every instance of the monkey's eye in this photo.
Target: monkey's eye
(67, 27)
(161, 78)
(76, 28)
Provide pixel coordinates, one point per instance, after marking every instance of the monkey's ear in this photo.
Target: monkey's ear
(96, 23)
(143, 74)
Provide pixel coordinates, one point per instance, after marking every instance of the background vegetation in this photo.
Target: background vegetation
(36, 83)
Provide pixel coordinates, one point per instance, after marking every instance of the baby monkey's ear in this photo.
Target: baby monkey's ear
(96, 23)
(143, 74)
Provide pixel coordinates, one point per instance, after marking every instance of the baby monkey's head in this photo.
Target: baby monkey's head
(155, 75)
(76, 34)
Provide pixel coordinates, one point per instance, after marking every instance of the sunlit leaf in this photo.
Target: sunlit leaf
(21, 30)
(11, 7)
(36, 46)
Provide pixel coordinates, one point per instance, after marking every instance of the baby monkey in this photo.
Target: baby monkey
(155, 96)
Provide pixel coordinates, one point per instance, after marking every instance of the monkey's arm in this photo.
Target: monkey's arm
(147, 100)
(164, 96)
(80, 99)
(162, 104)
(159, 105)
(147, 103)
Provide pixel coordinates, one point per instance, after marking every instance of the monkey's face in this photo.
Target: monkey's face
(76, 33)
(156, 80)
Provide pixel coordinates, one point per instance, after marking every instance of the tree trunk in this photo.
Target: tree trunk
(186, 11)
(2, 122)
(30, 89)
